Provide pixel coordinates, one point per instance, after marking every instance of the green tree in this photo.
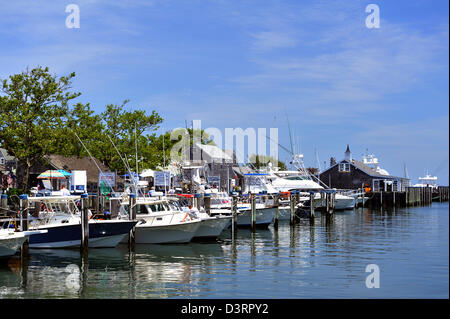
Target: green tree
(33, 106)
(261, 161)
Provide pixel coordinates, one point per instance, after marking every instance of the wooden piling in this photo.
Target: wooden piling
(276, 201)
(84, 223)
(253, 212)
(207, 200)
(292, 203)
(234, 213)
(24, 223)
(4, 203)
(311, 207)
(132, 216)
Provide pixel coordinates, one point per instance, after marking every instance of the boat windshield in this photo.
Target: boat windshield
(158, 207)
(296, 178)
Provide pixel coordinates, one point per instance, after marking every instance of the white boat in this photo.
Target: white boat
(11, 240)
(211, 226)
(162, 221)
(427, 181)
(284, 181)
(221, 204)
(61, 218)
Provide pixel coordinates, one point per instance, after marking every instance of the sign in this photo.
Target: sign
(162, 178)
(107, 179)
(214, 180)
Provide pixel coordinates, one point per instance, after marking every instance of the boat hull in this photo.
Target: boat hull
(10, 246)
(102, 234)
(264, 217)
(166, 234)
(212, 227)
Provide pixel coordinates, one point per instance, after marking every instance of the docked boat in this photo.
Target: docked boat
(221, 204)
(11, 240)
(60, 216)
(162, 221)
(211, 226)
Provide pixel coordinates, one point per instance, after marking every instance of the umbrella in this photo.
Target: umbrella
(52, 174)
(64, 172)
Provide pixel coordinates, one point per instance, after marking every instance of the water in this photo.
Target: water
(410, 247)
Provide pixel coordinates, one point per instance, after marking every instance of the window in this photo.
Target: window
(344, 167)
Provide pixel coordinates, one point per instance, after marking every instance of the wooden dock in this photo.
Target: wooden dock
(412, 196)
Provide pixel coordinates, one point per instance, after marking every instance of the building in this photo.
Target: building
(69, 163)
(214, 165)
(350, 173)
(8, 166)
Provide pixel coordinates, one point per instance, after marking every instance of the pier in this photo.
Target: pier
(412, 196)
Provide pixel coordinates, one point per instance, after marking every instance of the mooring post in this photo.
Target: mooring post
(311, 207)
(197, 201)
(84, 223)
(234, 213)
(4, 203)
(207, 199)
(292, 203)
(363, 191)
(276, 202)
(322, 200)
(24, 222)
(253, 211)
(132, 216)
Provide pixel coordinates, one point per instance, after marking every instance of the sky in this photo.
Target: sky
(258, 64)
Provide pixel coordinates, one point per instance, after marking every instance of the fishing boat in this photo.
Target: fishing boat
(11, 240)
(61, 217)
(211, 226)
(162, 221)
(221, 204)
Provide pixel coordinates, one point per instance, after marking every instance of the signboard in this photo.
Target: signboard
(162, 178)
(107, 179)
(214, 180)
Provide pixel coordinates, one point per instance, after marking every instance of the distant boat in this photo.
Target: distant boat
(427, 181)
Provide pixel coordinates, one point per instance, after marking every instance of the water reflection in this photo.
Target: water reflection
(326, 259)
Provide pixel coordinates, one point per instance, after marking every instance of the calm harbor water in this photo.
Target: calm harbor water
(410, 247)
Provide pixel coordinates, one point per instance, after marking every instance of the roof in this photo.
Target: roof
(215, 152)
(75, 163)
(242, 170)
(363, 167)
(5, 155)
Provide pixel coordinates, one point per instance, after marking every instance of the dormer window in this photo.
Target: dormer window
(344, 167)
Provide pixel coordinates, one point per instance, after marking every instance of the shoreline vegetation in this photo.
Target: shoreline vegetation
(38, 119)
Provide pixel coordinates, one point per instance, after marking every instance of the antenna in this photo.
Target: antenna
(290, 134)
(405, 170)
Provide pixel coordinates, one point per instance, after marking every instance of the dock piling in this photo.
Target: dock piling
(132, 216)
(23, 204)
(253, 212)
(84, 223)
(276, 200)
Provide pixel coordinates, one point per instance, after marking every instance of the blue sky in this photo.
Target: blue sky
(248, 63)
